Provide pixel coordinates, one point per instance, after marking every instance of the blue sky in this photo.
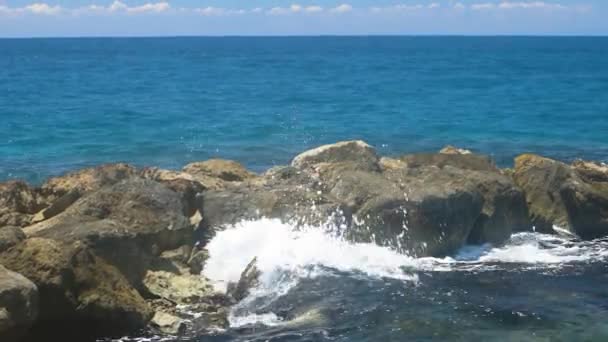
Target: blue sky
(27, 18)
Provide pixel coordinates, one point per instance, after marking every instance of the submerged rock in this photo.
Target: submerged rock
(449, 149)
(78, 290)
(18, 305)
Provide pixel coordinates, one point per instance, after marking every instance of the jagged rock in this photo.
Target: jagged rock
(541, 179)
(225, 170)
(355, 151)
(574, 198)
(591, 171)
(168, 324)
(178, 288)
(461, 161)
(129, 224)
(430, 214)
(449, 149)
(297, 205)
(57, 206)
(250, 278)
(10, 236)
(87, 180)
(18, 305)
(80, 294)
(18, 203)
(197, 260)
(387, 164)
(182, 183)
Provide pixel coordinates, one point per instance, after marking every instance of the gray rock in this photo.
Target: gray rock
(168, 324)
(18, 305)
(355, 151)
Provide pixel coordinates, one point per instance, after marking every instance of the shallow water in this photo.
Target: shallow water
(70, 103)
(317, 287)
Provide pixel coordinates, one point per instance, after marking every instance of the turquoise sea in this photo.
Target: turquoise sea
(69, 103)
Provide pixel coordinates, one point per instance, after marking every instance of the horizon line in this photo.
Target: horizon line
(438, 35)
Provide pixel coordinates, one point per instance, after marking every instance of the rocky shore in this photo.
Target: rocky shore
(117, 250)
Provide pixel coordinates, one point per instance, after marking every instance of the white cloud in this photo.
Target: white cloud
(507, 5)
(481, 7)
(313, 9)
(459, 6)
(527, 5)
(42, 8)
(210, 11)
(117, 6)
(294, 8)
(344, 8)
(150, 7)
(406, 7)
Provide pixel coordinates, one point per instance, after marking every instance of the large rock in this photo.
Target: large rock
(87, 180)
(18, 305)
(18, 203)
(355, 151)
(432, 213)
(214, 173)
(129, 224)
(80, 294)
(574, 197)
(541, 179)
(10, 236)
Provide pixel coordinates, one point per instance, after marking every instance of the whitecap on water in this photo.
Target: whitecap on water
(286, 254)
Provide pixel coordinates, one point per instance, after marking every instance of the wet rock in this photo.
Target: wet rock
(168, 324)
(225, 170)
(129, 224)
(10, 236)
(250, 278)
(178, 288)
(574, 197)
(18, 305)
(587, 207)
(430, 214)
(449, 149)
(293, 204)
(80, 294)
(355, 151)
(541, 179)
(197, 260)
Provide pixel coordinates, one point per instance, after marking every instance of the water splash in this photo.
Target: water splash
(287, 254)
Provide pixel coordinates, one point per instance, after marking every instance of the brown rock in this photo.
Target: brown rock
(80, 294)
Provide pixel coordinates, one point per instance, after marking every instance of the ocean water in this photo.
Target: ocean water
(70, 103)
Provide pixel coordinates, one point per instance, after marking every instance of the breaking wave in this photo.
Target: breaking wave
(286, 255)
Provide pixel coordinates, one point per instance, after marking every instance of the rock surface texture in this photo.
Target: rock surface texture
(115, 250)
